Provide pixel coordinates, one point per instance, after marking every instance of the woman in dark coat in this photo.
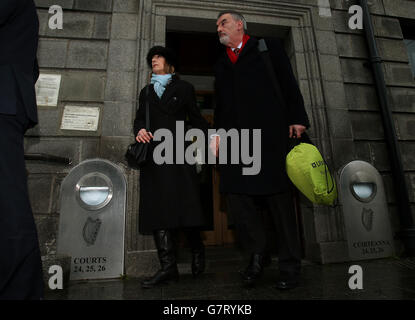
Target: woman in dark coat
(169, 193)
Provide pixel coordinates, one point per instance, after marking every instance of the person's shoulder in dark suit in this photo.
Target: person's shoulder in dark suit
(19, 32)
(7, 8)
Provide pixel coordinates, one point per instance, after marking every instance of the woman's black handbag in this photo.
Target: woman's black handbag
(138, 152)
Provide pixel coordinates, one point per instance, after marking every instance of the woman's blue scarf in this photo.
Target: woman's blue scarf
(160, 81)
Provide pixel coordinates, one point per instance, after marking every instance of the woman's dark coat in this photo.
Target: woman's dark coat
(169, 193)
(246, 99)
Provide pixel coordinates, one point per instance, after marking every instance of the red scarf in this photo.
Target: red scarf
(232, 56)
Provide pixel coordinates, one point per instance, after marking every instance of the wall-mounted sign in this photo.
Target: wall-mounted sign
(47, 89)
(80, 118)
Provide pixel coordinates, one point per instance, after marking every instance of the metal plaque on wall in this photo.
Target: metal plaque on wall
(80, 118)
(92, 220)
(366, 216)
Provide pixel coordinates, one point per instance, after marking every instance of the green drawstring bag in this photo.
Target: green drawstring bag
(309, 173)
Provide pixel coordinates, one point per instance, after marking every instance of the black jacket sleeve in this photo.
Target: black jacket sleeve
(195, 117)
(140, 116)
(294, 101)
(218, 110)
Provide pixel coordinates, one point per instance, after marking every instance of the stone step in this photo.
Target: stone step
(218, 259)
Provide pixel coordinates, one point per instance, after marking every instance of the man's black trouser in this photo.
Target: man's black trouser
(20, 262)
(252, 232)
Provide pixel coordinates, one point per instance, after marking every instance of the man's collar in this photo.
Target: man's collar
(239, 47)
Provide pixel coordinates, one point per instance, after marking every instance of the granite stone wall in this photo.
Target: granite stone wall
(361, 101)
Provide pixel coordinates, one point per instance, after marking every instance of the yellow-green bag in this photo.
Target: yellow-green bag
(309, 173)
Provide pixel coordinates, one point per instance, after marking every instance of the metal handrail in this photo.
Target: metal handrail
(47, 158)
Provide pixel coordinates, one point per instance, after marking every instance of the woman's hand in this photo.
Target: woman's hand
(214, 145)
(144, 136)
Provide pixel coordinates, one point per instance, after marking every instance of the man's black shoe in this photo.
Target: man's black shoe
(254, 270)
(286, 284)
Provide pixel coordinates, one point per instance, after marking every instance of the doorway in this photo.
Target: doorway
(197, 53)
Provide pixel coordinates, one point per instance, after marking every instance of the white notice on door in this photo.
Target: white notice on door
(80, 118)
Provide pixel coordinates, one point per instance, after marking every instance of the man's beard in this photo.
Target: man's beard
(224, 39)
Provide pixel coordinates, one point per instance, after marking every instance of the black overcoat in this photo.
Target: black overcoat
(246, 99)
(20, 262)
(169, 193)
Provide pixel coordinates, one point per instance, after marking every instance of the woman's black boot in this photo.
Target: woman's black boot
(197, 250)
(198, 261)
(165, 249)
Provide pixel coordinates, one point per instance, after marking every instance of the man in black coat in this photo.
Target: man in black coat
(20, 263)
(246, 99)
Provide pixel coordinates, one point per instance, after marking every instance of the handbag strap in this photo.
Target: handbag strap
(327, 180)
(147, 110)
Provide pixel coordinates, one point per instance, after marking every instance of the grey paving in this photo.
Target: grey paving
(383, 279)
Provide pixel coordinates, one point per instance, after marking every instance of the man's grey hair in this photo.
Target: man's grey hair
(237, 16)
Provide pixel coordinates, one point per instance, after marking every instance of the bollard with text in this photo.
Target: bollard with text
(92, 220)
(366, 216)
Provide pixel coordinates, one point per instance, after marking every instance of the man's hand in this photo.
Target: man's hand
(296, 130)
(144, 136)
(214, 145)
